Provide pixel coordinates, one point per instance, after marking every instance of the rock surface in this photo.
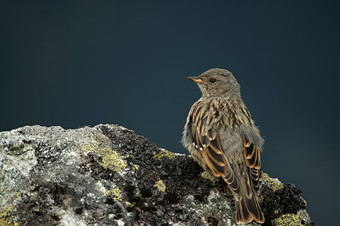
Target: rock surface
(108, 175)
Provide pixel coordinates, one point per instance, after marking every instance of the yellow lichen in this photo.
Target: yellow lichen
(128, 203)
(110, 158)
(289, 219)
(135, 167)
(272, 183)
(88, 147)
(116, 192)
(164, 153)
(6, 218)
(160, 185)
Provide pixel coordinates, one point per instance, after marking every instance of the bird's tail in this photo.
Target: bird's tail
(248, 209)
(246, 198)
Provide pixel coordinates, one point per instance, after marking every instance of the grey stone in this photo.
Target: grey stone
(108, 175)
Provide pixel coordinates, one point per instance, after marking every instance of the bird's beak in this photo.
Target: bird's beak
(196, 79)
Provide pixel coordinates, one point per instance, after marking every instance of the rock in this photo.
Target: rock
(108, 175)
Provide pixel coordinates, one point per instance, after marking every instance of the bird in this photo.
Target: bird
(223, 139)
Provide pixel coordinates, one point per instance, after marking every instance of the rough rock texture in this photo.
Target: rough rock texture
(108, 175)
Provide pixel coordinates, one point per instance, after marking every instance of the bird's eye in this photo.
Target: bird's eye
(212, 80)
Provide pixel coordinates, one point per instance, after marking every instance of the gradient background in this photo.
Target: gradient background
(85, 63)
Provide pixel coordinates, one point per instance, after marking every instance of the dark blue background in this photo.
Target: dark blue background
(85, 63)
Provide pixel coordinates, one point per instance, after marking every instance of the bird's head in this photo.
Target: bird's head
(217, 82)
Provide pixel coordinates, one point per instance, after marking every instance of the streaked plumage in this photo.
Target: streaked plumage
(223, 139)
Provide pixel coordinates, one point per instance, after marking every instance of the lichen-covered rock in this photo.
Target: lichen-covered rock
(108, 175)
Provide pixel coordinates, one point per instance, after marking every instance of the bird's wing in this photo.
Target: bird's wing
(207, 142)
(253, 161)
(251, 154)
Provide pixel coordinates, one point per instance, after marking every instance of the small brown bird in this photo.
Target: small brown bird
(223, 139)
